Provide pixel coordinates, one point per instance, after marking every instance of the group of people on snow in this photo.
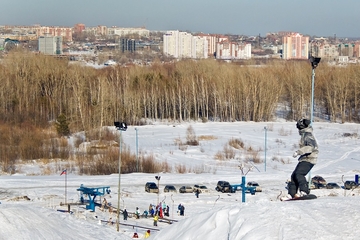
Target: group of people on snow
(161, 210)
(147, 234)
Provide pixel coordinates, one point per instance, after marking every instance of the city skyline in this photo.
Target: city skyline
(240, 17)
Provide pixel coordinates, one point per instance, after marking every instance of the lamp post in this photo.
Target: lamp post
(158, 179)
(137, 151)
(314, 63)
(121, 126)
(265, 128)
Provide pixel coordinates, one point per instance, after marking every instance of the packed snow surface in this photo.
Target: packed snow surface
(31, 203)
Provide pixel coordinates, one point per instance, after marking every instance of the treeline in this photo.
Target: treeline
(43, 97)
(37, 89)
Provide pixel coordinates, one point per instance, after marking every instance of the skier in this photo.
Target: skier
(308, 153)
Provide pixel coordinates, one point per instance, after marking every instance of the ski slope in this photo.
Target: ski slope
(334, 215)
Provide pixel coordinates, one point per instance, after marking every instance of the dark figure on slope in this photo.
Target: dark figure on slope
(197, 192)
(125, 214)
(308, 153)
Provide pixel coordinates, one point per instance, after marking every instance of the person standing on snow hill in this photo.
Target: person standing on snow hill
(197, 192)
(137, 213)
(182, 209)
(156, 218)
(308, 153)
(125, 214)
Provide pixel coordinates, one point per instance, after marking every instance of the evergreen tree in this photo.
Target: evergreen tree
(62, 126)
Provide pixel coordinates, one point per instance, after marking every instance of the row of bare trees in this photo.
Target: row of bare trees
(37, 89)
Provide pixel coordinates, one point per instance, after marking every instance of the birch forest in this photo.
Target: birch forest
(36, 89)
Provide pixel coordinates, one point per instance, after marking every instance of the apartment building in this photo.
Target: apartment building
(50, 45)
(211, 40)
(127, 45)
(357, 49)
(184, 45)
(346, 49)
(230, 50)
(102, 30)
(23, 33)
(142, 32)
(79, 27)
(324, 49)
(199, 47)
(295, 46)
(64, 32)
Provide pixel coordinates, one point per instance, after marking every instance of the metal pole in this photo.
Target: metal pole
(172, 210)
(265, 145)
(137, 151)
(158, 189)
(312, 96)
(312, 110)
(118, 204)
(66, 187)
(243, 188)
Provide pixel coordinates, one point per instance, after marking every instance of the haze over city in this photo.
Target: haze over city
(245, 17)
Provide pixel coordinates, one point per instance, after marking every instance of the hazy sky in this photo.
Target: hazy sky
(248, 17)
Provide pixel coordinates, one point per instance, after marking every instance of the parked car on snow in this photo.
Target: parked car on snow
(350, 185)
(223, 186)
(332, 186)
(204, 189)
(318, 179)
(256, 185)
(186, 189)
(151, 187)
(319, 185)
(196, 186)
(169, 188)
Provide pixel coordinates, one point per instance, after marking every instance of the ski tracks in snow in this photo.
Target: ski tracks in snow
(343, 157)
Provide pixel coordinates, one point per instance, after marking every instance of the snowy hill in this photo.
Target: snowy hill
(214, 215)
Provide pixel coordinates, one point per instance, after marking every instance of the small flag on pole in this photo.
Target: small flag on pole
(63, 172)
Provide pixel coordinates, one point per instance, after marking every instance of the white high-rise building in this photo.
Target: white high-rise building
(50, 45)
(171, 43)
(200, 47)
(184, 45)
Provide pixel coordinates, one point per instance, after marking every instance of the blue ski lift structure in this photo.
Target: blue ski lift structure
(92, 193)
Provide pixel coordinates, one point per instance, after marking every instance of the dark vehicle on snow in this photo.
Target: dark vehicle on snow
(151, 187)
(332, 186)
(169, 188)
(350, 185)
(223, 186)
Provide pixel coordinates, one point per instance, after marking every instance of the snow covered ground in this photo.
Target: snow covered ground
(30, 203)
